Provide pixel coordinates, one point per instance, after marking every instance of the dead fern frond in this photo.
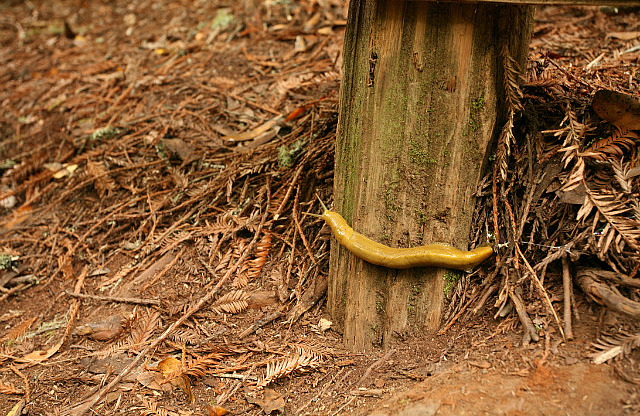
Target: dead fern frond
(185, 337)
(141, 333)
(614, 209)
(299, 360)
(201, 366)
(612, 147)
(576, 176)
(512, 81)
(102, 182)
(153, 409)
(224, 261)
(9, 388)
(232, 302)
(621, 174)
(262, 252)
(513, 99)
(615, 346)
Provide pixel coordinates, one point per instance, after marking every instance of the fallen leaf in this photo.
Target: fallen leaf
(18, 330)
(153, 380)
(171, 369)
(179, 148)
(39, 355)
(252, 134)
(480, 364)
(103, 330)
(216, 411)
(269, 402)
(619, 109)
(16, 410)
(324, 324)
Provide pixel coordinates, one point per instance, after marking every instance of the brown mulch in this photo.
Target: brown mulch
(157, 159)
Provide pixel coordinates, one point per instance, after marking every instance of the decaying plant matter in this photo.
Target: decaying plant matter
(157, 190)
(564, 188)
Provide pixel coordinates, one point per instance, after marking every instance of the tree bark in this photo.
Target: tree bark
(421, 94)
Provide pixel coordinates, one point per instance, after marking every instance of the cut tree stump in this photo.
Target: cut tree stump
(422, 98)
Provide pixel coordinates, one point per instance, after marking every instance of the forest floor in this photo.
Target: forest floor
(156, 159)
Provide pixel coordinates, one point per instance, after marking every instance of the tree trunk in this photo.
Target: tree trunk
(421, 94)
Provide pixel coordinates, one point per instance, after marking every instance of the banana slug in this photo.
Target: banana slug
(431, 255)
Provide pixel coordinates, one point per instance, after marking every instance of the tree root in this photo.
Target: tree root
(590, 282)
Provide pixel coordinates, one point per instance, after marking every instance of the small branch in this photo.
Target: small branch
(602, 294)
(115, 299)
(530, 332)
(543, 291)
(566, 286)
(27, 390)
(299, 227)
(376, 364)
(260, 323)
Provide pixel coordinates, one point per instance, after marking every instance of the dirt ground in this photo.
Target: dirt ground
(126, 177)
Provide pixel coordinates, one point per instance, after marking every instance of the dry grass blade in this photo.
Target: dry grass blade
(615, 346)
(299, 360)
(232, 302)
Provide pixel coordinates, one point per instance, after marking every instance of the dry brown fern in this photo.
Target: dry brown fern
(514, 104)
(141, 333)
(619, 225)
(9, 388)
(615, 346)
(571, 136)
(299, 360)
(615, 146)
(153, 409)
(102, 182)
(262, 251)
(201, 366)
(232, 302)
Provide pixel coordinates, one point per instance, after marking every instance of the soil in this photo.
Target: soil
(161, 70)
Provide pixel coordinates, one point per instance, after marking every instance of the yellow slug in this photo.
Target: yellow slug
(431, 255)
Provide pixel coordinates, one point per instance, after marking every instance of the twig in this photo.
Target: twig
(163, 272)
(114, 299)
(566, 286)
(288, 193)
(376, 364)
(494, 193)
(339, 411)
(13, 290)
(602, 294)
(25, 380)
(530, 332)
(543, 291)
(81, 408)
(297, 222)
(455, 318)
(260, 323)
